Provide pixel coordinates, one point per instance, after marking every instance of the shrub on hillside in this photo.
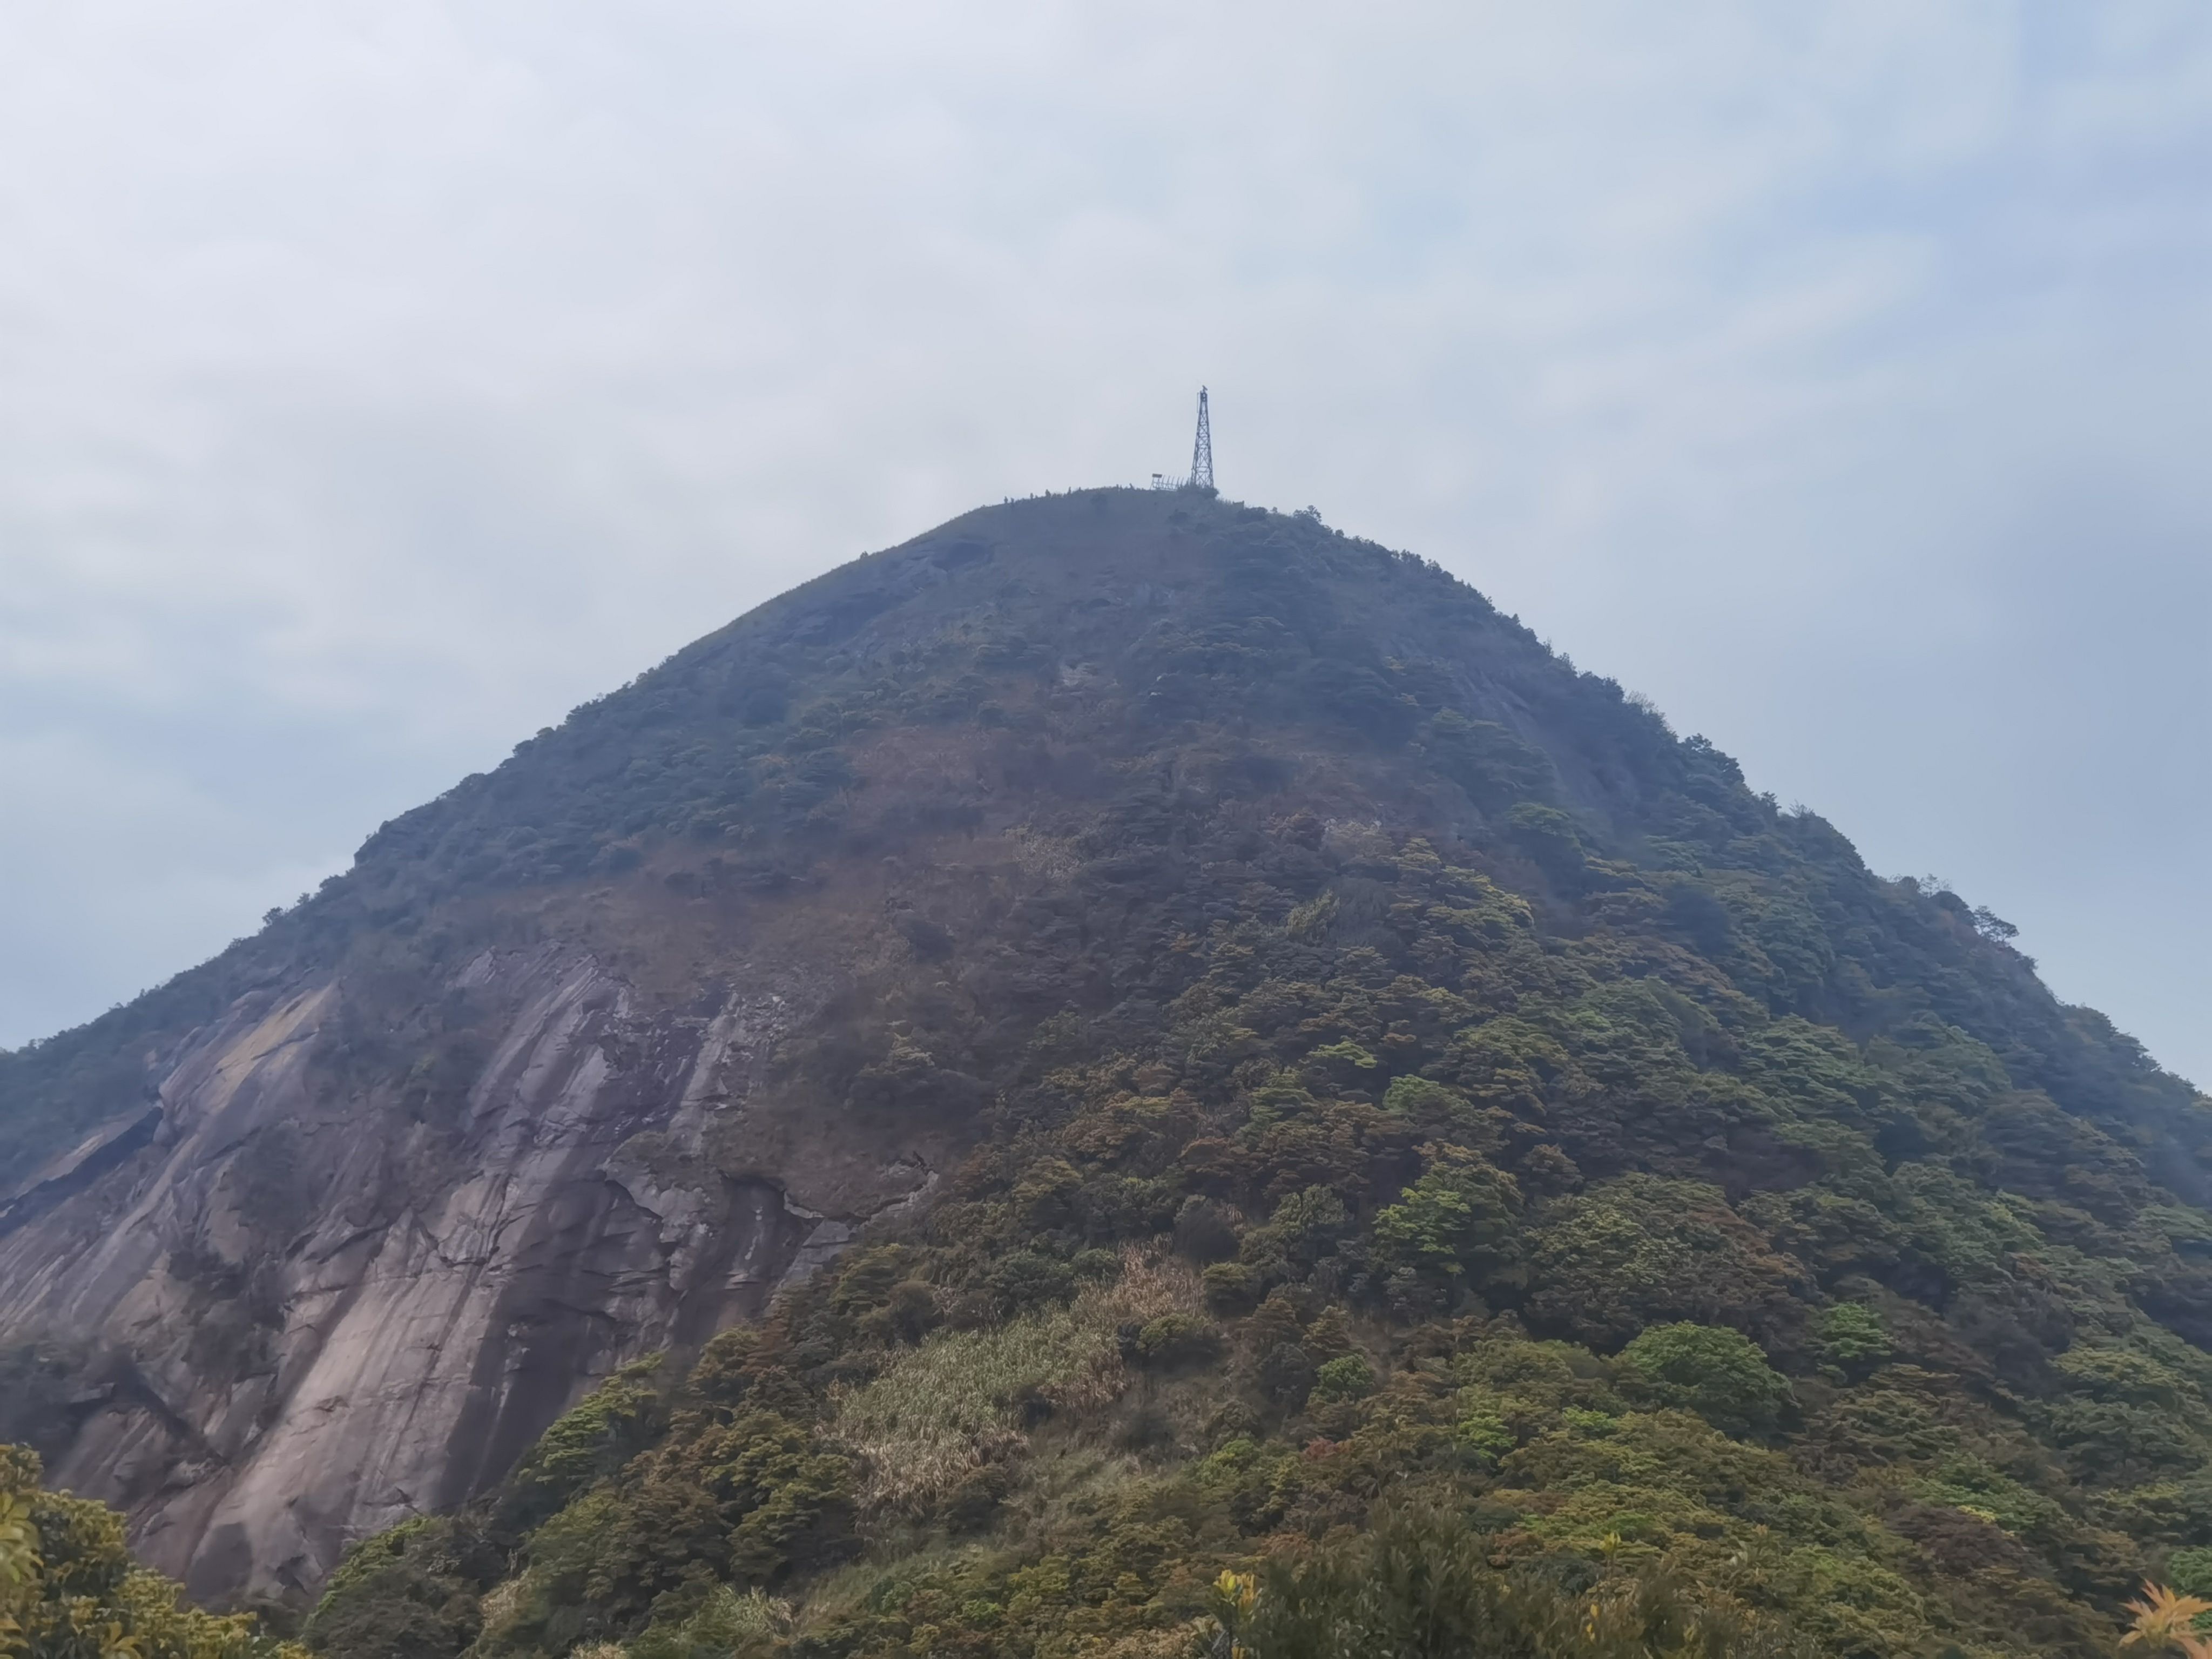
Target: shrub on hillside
(1718, 1373)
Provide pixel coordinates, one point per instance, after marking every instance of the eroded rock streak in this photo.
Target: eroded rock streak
(314, 1313)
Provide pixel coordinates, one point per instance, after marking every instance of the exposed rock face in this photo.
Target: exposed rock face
(319, 1314)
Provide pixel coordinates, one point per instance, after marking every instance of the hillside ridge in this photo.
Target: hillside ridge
(1220, 977)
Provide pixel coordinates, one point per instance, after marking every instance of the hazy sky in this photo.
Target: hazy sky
(380, 379)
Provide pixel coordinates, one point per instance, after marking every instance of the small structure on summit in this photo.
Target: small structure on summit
(1201, 457)
(1201, 449)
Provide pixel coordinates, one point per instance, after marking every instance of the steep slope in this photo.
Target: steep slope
(1098, 890)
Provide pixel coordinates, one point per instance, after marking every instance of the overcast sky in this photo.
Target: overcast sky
(378, 381)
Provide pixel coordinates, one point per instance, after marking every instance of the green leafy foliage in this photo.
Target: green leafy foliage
(618, 1419)
(1347, 1376)
(1453, 1221)
(1851, 1338)
(1641, 1250)
(69, 1590)
(1422, 1585)
(1709, 1370)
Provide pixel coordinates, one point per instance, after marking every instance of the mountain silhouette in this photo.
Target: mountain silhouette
(1061, 1057)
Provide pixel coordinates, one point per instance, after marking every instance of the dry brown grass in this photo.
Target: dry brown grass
(502, 1602)
(954, 1404)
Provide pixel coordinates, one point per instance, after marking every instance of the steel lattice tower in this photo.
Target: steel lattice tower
(1201, 449)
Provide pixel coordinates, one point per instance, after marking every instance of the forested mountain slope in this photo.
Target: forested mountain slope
(1163, 1037)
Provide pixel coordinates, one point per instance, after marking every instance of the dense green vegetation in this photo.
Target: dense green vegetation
(69, 1590)
(1443, 1146)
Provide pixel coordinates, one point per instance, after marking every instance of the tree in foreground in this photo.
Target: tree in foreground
(69, 1590)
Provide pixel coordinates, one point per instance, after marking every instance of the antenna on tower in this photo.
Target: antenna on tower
(1201, 450)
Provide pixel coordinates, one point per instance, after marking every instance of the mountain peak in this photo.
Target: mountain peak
(1127, 913)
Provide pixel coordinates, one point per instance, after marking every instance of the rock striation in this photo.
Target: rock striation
(316, 1317)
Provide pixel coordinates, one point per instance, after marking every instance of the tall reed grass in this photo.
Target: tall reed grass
(958, 1402)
